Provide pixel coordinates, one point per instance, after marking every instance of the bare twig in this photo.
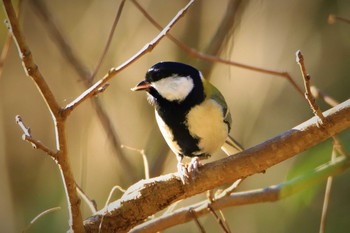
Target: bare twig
(229, 190)
(218, 219)
(317, 93)
(206, 57)
(109, 40)
(4, 52)
(114, 71)
(332, 19)
(39, 216)
(327, 194)
(64, 47)
(308, 94)
(29, 64)
(194, 216)
(144, 158)
(8, 41)
(27, 136)
(225, 221)
(85, 76)
(117, 187)
(90, 202)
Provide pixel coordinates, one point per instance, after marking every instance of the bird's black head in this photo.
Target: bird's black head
(173, 82)
(168, 69)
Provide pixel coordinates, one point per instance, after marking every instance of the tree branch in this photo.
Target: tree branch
(114, 71)
(145, 198)
(87, 79)
(28, 62)
(269, 194)
(212, 58)
(32, 70)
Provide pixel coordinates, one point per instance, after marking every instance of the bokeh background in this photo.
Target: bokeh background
(264, 34)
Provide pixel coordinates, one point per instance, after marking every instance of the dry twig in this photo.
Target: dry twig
(218, 219)
(332, 19)
(109, 40)
(212, 58)
(194, 216)
(144, 159)
(114, 71)
(39, 216)
(308, 94)
(317, 93)
(85, 76)
(27, 136)
(327, 194)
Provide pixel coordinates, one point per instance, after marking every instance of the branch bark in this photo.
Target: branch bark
(268, 194)
(147, 197)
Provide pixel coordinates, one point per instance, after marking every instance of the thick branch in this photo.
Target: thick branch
(145, 198)
(269, 194)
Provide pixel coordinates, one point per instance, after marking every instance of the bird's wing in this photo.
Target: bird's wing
(213, 93)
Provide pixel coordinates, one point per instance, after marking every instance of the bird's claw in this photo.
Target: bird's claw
(189, 171)
(183, 173)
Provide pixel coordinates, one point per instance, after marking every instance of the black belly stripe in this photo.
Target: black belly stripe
(175, 119)
(173, 113)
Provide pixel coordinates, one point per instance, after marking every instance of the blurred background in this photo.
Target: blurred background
(264, 34)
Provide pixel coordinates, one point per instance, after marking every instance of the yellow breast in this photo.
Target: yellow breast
(206, 122)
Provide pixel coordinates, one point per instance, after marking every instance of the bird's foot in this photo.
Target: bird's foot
(192, 167)
(183, 173)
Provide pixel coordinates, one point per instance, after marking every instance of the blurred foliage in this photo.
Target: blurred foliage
(267, 35)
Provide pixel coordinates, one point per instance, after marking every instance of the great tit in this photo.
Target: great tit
(191, 113)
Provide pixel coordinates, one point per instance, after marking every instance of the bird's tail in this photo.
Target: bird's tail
(231, 146)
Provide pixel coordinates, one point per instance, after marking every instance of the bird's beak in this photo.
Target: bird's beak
(143, 85)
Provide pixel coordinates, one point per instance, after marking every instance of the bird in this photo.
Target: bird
(191, 113)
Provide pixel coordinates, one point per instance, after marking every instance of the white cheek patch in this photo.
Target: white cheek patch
(174, 87)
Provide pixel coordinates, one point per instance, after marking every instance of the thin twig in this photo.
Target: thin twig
(228, 190)
(4, 52)
(224, 220)
(332, 19)
(114, 71)
(117, 187)
(218, 219)
(144, 158)
(308, 94)
(194, 216)
(8, 41)
(317, 93)
(85, 76)
(42, 11)
(109, 40)
(26, 56)
(90, 202)
(210, 58)
(39, 216)
(27, 136)
(327, 195)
